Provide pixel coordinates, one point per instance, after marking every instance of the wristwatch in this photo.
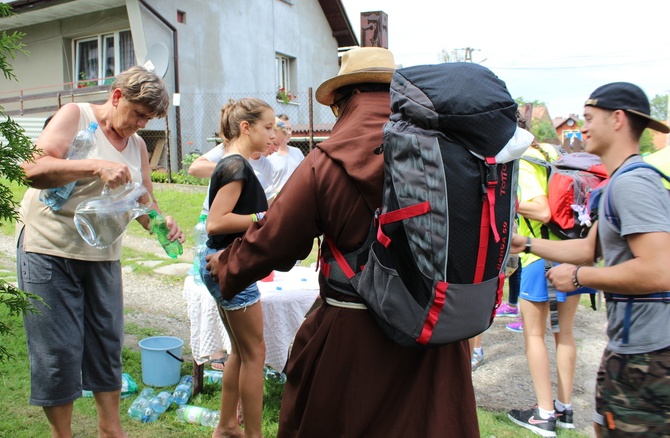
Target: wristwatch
(527, 248)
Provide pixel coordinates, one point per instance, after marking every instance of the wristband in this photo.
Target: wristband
(575, 279)
(527, 249)
(255, 217)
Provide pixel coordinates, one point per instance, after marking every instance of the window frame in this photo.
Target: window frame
(283, 67)
(101, 51)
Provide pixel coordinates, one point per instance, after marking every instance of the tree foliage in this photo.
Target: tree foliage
(543, 131)
(15, 148)
(659, 107)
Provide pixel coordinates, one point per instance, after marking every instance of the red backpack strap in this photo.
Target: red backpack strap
(488, 219)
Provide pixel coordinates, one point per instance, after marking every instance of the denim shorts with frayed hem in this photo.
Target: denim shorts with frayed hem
(250, 295)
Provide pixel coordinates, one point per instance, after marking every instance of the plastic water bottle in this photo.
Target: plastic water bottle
(81, 147)
(160, 229)
(138, 409)
(200, 239)
(272, 375)
(213, 376)
(161, 402)
(198, 415)
(183, 390)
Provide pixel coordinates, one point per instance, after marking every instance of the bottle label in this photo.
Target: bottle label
(192, 414)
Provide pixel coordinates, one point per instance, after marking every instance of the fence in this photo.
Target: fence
(169, 140)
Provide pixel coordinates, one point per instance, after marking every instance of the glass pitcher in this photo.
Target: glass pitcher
(101, 220)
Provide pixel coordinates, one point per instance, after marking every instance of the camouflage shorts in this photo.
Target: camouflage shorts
(633, 394)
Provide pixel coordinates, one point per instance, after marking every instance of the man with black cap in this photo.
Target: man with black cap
(633, 382)
(345, 378)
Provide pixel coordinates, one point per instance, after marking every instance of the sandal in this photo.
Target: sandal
(218, 364)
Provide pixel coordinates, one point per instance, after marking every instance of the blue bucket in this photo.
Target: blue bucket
(161, 360)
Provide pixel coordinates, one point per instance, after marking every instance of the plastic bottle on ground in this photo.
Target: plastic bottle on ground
(213, 376)
(198, 415)
(183, 390)
(160, 229)
(81, 147)
(200, 240)
(139, 407)
(272, 375)
(161, 402)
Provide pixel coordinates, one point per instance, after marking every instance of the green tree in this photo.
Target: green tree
(647, 142)
(659, 107)
(15, 149)
(543, 131)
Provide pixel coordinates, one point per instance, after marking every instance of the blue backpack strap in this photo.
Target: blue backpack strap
(658, 297)
(608, 212)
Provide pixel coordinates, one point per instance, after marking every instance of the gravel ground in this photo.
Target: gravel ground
(501, 383)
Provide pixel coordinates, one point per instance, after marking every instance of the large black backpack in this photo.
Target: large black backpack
(434, 264)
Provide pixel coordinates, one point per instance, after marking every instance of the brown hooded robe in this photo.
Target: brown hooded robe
(345, 378)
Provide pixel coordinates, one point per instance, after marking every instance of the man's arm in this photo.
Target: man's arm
(575, 251)
(647, 272)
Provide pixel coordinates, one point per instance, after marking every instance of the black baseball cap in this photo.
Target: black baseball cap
(627, 97)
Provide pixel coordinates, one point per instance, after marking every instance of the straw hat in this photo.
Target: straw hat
(359, 66)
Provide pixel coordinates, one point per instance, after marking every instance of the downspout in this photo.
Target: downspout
(177, 111)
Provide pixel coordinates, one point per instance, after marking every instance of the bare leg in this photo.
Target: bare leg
(534, 327)
(247, 325)
(109, 421)
(230, 390)
(566, 350)
(60, 420)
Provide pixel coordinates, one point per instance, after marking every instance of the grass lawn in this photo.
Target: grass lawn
(20, 420)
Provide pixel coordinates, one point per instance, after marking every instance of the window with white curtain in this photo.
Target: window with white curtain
(283, 72)
(98, 59)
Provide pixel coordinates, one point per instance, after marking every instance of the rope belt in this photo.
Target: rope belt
(346, 305)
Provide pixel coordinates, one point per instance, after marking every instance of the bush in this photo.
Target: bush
(181, 177)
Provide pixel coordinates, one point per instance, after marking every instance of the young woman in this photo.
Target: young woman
(237, 200)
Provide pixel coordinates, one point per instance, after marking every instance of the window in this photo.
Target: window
(98, 59)
(283, 65)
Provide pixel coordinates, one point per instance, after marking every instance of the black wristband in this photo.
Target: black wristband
(527, 249)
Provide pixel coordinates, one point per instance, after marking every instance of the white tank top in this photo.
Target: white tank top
(53, 232)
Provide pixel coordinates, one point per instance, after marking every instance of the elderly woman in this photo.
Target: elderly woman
(76, 342)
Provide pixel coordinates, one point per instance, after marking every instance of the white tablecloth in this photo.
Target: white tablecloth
(285, 301)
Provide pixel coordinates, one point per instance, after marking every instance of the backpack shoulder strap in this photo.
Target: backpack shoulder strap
(608, 212)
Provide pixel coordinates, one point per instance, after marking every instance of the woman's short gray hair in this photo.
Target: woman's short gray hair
(142, 86)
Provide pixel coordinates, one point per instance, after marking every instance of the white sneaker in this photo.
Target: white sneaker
(477, 359)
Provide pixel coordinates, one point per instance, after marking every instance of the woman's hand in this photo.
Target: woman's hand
(175, 232)
(113, 174)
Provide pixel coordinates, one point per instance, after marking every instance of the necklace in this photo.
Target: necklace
(624, 162)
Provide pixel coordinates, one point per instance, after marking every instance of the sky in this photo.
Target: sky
(551, 52)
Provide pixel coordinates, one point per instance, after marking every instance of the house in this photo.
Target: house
(568, 132)
(208, 52)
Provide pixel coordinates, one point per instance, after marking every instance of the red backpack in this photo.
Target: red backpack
(570, 181)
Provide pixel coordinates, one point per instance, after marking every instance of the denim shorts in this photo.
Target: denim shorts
(250, 295)
(534, 285)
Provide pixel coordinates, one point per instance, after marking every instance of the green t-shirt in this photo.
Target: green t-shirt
(533, 183)
(661, 161)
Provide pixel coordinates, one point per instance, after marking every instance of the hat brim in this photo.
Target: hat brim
(653, 123)
(325, 94)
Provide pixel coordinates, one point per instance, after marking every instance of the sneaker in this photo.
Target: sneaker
(516, 326)
(532, 421)
(564, 419)
(477, 359)
(507, 311)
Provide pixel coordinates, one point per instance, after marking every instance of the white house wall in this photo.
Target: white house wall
(226, 50)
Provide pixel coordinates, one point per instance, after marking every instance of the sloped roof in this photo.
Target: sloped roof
(339, 23)
(42, 11)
